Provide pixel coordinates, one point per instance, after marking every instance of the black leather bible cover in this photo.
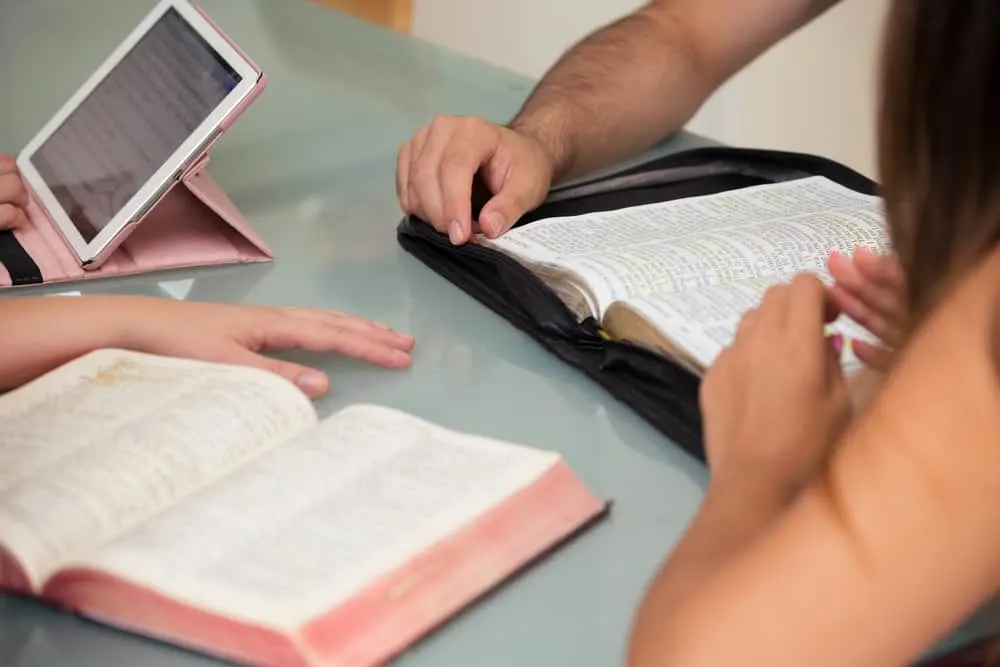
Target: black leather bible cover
(660, 390)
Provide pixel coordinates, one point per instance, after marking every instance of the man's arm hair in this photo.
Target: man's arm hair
(641, 78)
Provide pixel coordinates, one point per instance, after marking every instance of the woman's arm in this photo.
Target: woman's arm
(889, 549)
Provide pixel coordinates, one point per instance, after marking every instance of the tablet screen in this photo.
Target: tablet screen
(132, 122)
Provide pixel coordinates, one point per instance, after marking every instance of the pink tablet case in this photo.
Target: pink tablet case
(193, 224)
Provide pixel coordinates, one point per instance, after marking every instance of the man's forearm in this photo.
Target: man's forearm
(617, 92)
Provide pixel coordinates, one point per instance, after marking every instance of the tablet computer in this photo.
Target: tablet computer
(152, 109)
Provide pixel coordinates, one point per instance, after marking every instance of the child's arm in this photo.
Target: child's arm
(38, 334)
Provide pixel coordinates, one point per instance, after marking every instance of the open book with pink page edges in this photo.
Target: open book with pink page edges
(208, 506)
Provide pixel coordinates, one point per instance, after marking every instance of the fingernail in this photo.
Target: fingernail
(455, 232)
(312, 383)
(403, 343)
(494, 224)
(400, 358)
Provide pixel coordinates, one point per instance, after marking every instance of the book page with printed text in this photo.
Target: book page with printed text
(698, 324)
(767, 230)
(114, 437)
(302, 528)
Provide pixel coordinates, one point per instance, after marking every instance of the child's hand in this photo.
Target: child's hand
(52, 331)
(13, 195)
(239, 334)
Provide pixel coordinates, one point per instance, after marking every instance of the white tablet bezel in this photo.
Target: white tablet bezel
(173, 167)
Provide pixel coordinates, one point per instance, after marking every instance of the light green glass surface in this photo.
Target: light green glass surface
(311, 165)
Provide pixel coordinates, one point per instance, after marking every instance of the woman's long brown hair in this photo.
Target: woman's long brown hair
(939, 159)
(939, 141)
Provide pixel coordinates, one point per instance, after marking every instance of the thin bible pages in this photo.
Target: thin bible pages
(207, 506)
(676, 276)
(285, 537)
(111, 439)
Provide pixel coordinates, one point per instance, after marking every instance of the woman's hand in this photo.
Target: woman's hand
(13, 195)
(52, 331)
(773, 404)
(875, 535)
(776, 399)
(868, 288)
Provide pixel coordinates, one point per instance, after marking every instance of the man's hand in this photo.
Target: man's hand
(869, 288)
(435, 170)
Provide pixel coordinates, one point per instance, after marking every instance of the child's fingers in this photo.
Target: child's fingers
(7, 165)
(12, 190)
(12, 217)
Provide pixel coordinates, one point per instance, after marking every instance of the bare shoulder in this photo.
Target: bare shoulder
(970, 309)
(938, 409)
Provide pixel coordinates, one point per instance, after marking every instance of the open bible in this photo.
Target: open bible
(677, 276)
(206, 505)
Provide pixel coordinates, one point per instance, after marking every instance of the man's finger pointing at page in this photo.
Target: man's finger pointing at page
(459, 165)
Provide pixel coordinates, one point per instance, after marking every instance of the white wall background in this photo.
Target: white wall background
(815, 92)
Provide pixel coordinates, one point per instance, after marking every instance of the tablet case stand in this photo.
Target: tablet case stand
(658, 389)
(193, 224)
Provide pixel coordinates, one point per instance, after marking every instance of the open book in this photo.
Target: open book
(677, 276)
(204, 505)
